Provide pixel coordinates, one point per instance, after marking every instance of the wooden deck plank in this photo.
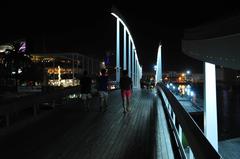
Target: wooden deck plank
(71, 133)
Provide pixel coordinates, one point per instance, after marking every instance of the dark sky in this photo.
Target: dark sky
(89, 28)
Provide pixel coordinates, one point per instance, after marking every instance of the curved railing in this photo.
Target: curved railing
(184, 127)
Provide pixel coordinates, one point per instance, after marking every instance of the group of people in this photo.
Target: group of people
(102, 87)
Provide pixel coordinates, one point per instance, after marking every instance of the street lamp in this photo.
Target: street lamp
(188, 72)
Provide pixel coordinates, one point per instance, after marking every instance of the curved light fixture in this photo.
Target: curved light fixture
(136, 69)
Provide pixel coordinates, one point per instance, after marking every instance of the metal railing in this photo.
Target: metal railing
(189, 137)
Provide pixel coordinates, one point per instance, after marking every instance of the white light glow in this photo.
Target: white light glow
(19, 71)
(134, 71)
(210, 105)
(155, 67)
(192, 93)
(168, 86)
(125, 28)
(158, 75)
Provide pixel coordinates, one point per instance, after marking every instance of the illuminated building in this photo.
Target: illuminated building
(65, 69)
(13, 60)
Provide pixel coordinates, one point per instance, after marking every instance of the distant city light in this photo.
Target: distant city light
(59, 76)
(168, 86)
(102, 65)
(188, 72)
(192, 93)
(179, 87)
(19, 71)
(22, 47)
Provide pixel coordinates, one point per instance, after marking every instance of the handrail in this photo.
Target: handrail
(199, 144)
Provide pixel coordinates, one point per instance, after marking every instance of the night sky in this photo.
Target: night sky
(89, 28)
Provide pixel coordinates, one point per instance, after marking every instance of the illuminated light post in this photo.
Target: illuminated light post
(125, 50)
(210, 100)
(158, 75)
(118, 52)
(129, 56)
(135, 70)
(210, 105)
(188, 78)
(133, 59)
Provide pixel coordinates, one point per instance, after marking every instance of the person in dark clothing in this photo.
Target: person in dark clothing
(126, 90)
(103, 89)
(142, 83)
(85, 85)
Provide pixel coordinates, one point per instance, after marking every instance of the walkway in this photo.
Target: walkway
(71, 133)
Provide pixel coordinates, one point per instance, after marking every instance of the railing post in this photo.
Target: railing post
(129, 56)
(133, 65)
(174, 119)
(118, 52)
(180, 133)
(190, 155)
(125, 49)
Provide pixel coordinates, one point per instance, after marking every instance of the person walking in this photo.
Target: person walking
(85, 85)
(103, 89)
(126, 90)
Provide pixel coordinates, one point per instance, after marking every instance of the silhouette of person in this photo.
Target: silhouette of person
(85, 85)
(103, 89)
(126, 90)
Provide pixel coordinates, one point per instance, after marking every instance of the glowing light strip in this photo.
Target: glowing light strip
(130, 35)
(210, 105)
(135, 61)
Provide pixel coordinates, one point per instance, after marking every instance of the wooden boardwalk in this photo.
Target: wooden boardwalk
(69, 132)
